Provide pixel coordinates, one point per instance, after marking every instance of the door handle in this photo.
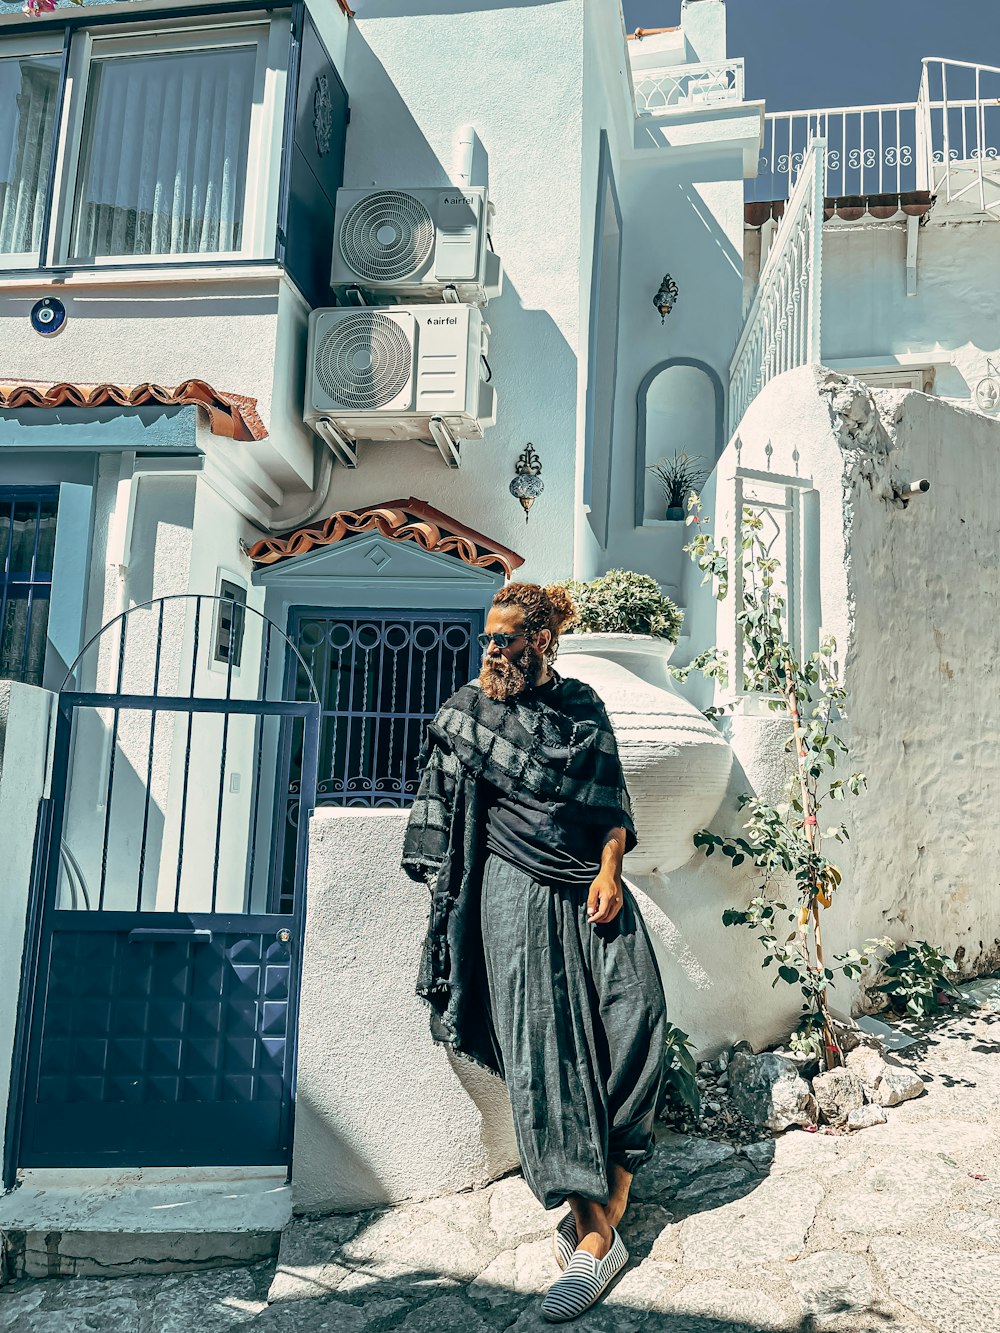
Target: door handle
(164, 935)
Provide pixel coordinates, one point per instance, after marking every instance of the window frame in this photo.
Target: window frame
(797, 562)
(11, 48)
(77, 44)
(265, 131)
(35, 588)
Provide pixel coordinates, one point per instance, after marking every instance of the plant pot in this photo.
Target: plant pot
(676, 764)
(676, 513)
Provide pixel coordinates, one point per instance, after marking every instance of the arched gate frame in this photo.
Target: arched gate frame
(159, 999)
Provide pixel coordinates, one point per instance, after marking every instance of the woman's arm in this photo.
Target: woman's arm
(604, 901)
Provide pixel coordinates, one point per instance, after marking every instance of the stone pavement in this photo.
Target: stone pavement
(894, 1229)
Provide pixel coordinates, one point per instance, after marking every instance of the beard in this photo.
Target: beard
(501, 679)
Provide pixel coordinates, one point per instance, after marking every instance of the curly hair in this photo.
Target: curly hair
(550, 608)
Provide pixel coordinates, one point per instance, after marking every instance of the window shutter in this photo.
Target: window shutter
(314, 167)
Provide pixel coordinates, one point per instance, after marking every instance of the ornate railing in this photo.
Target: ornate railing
(946, 142)
(682, 87)
(870, 150)
(958, 127)
(782, 326)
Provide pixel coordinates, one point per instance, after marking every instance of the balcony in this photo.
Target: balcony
(684, 88)
(945, 144)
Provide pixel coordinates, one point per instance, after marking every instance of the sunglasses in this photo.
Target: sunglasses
(501, 640)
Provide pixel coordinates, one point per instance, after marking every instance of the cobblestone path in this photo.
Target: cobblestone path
(893, 1229)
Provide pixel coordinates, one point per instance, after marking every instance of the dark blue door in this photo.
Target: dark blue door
(160, 998)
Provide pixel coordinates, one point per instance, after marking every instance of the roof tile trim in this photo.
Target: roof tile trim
(232, 415)
(346, 8)
(399, 520)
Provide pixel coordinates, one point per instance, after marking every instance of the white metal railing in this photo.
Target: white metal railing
(782, 326)
(958, 124)
(681, 87)
(946, 142)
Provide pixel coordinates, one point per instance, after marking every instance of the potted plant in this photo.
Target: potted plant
(678, 476)
(623, 602)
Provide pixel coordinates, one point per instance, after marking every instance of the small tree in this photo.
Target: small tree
(784, 841)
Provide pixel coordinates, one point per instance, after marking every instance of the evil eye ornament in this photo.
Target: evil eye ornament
(48, 316)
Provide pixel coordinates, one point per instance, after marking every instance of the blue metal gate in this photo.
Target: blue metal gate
(160, 997)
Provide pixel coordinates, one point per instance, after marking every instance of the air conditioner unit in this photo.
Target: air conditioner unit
(415, 245)
(399, 373)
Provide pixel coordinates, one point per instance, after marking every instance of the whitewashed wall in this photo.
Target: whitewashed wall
(517, 77)
(950, 321)
(909, 594)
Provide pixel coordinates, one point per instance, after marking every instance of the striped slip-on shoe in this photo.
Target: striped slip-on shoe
(583, 1281)
(565, 1240)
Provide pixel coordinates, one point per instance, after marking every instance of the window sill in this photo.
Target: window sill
(125, 275)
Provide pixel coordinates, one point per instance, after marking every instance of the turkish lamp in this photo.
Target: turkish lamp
(527, 485)
(666, 297)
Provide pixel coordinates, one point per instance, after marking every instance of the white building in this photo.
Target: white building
(160, 746)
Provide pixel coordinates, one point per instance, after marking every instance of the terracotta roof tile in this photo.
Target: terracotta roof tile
(850, 208)
(640, 33)
(232, 415)
(399, 520)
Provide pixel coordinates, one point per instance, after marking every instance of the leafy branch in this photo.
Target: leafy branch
(783, 842)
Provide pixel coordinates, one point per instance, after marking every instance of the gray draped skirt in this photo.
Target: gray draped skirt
(580, 1022)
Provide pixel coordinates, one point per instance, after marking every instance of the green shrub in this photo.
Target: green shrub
(623, 602)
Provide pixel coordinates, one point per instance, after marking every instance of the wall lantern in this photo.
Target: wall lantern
(666, 297)
(527, 485)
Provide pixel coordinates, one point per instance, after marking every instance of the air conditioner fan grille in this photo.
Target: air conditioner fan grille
(364, 361)
(387, 236)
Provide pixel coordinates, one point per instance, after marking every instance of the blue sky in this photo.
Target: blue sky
(813, 53)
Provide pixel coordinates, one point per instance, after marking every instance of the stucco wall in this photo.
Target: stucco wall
(909, 594)
(516, 75)
(25, 716)
(383, 1113)
(952, 315)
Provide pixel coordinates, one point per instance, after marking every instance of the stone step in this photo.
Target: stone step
(97, 1223)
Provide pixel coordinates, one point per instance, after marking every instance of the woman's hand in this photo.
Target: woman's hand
(604, 901)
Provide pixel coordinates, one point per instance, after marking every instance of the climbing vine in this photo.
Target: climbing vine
(784, 842)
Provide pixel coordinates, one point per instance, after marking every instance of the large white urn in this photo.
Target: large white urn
(676, 764)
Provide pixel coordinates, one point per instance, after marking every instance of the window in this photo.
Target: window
(29, 87)
(160, 149)
(789, 511)
(27, 545)
(381, 677)
(605, 296)
(230, 619)
(164, 154)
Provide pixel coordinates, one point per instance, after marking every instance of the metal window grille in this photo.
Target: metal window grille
(381, 677)
(27, 543)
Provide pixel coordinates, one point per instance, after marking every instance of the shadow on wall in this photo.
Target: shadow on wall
(712, 977)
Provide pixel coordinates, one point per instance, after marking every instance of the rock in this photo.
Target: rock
(838, 1092)
(761, 1227)
(896, 1195)
(496, 1282)
(831, 1282)
(864, 1117)
(869, 1065)
(953, 1289)
(717, 1306)
(769, 1090)
(897, 1084)
(722, 1061)
(515, 1214)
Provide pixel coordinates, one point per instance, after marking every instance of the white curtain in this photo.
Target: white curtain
(28, 89)
(164, 154)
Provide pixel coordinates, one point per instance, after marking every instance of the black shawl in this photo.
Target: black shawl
(565, 755)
